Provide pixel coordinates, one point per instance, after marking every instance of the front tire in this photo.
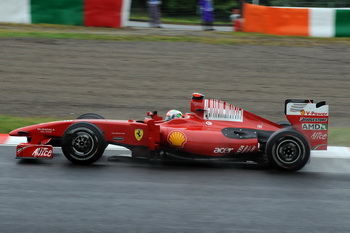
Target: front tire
(288, 150)
(90, 116)
(83, 143)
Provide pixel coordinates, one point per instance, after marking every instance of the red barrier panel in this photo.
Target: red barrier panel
(255, 17)
(288, 21)
(3, 138)
(277, 21)
(106, 13)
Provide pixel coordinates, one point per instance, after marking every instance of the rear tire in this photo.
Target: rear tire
(288, 150)
(83, 143)
(285, 124)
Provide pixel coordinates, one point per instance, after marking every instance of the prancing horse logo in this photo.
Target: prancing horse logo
(138, 134)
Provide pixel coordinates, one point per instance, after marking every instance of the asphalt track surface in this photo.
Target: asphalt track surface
(118, 194)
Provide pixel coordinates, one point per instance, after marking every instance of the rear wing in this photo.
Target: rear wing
(311, 119)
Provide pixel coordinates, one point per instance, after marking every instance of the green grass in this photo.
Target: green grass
(337, 136)
(228, 38)
(8, 123)
(112, 34)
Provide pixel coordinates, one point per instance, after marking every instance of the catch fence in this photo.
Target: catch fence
(222, 12)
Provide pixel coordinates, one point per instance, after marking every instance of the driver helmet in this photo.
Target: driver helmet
(172, 114)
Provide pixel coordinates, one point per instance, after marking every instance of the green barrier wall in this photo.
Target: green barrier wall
(68, 12)
(342, 23)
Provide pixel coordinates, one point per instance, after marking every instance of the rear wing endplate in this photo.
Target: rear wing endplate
(311, 119)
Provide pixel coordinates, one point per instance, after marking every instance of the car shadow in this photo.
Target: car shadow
(188, 163)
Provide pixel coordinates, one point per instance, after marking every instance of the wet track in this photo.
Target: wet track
(120, 195)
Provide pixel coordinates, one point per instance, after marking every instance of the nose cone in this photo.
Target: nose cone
(19, 132)
(24, 131)
(14, 132)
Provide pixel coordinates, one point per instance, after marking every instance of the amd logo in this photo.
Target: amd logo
(306, 126)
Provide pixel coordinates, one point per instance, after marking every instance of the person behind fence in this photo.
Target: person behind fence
(154, 13)
(207, 9)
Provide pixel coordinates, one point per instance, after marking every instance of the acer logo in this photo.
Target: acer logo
(42, 152)
(218, 150)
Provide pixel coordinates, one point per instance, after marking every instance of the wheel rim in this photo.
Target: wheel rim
(288, 151)
(83, 144)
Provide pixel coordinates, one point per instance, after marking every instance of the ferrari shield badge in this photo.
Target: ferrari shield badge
(138, 134)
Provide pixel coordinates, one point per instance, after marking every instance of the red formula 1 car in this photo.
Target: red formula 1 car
(215, 130)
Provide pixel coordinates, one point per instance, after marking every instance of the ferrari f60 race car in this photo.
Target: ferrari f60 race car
(214, 130)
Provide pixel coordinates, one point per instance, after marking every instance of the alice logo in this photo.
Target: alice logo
(177, 139)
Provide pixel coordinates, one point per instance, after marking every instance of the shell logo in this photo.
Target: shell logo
(302, 112)
(177, 139)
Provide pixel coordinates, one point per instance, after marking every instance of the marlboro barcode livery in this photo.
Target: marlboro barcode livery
(220, 110)
(214, 130)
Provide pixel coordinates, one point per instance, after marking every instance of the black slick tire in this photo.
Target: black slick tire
(90, 116)
(83, 143)
(288, 150)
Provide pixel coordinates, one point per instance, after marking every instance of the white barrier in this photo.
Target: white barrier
(15, 11)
